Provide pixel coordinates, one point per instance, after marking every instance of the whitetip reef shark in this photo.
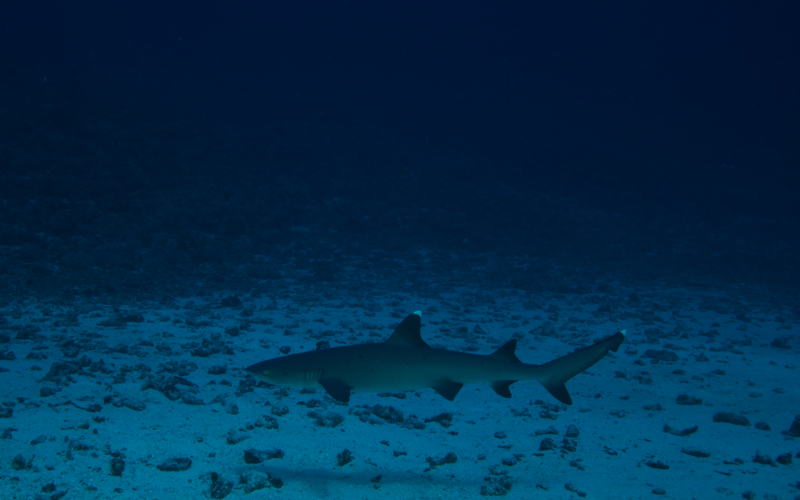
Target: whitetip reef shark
(406, 363)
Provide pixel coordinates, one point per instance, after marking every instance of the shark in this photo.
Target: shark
(405, 362)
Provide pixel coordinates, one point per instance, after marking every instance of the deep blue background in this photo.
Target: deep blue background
(664, 131)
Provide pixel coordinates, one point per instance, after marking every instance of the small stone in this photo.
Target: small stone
(685, 399)
(695, 452)
(344, 458)
(784, 459)
(731, 418)
(547, 444)
(117, 466)
(760, 458)
(450, 458)
(175, 464)
(253, 456)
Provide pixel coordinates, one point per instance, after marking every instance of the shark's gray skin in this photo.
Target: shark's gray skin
(406, 363)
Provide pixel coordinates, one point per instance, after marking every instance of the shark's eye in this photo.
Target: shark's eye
(265, 373)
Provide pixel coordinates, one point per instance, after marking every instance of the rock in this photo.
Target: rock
(760, 458)
(234, 436)
(413, 422)
(571, 487)
(279, 411)
(254, 480)
(117, 466)
(20, 463)
(266, 422)
(497, 486)
(450, 458)
(344, 458)
(178, 464)
(731, 418)
(231, 301)
(569, 445)
(329, 419)
(547, 444)
(218, 370)
(695, 452)
(253, 456)
(40, 439)
(685, 399)
(132, 404)
(781, 343)
(220, 487)
(682, 433)
(172, 387)
(388, 413)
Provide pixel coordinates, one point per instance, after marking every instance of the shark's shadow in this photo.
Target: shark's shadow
(318, 480)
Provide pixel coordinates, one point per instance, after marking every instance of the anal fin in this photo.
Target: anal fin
(501, 387)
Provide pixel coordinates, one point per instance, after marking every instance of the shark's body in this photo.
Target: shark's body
(405, 363)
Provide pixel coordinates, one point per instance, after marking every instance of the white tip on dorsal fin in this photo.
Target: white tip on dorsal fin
(418, 313)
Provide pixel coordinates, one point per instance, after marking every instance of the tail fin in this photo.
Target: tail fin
(554, 375)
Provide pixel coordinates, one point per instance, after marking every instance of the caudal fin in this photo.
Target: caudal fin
(554, 375)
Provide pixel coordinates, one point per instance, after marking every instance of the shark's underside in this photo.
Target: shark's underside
(405, 362)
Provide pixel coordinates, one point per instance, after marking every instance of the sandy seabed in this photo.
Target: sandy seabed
(110, 400)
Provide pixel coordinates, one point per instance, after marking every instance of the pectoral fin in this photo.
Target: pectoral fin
(336, 389)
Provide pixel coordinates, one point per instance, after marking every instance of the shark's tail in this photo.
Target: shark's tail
(554, 375)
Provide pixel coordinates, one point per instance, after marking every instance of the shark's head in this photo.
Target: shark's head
(285, 372)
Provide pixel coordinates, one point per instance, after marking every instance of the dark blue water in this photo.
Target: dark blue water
(629, 138)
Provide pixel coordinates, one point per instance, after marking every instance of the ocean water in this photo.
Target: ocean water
(190, 188)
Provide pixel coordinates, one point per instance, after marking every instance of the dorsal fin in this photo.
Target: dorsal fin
(506, 352)
(407, 332)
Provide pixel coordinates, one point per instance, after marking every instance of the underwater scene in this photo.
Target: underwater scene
(413, 250)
